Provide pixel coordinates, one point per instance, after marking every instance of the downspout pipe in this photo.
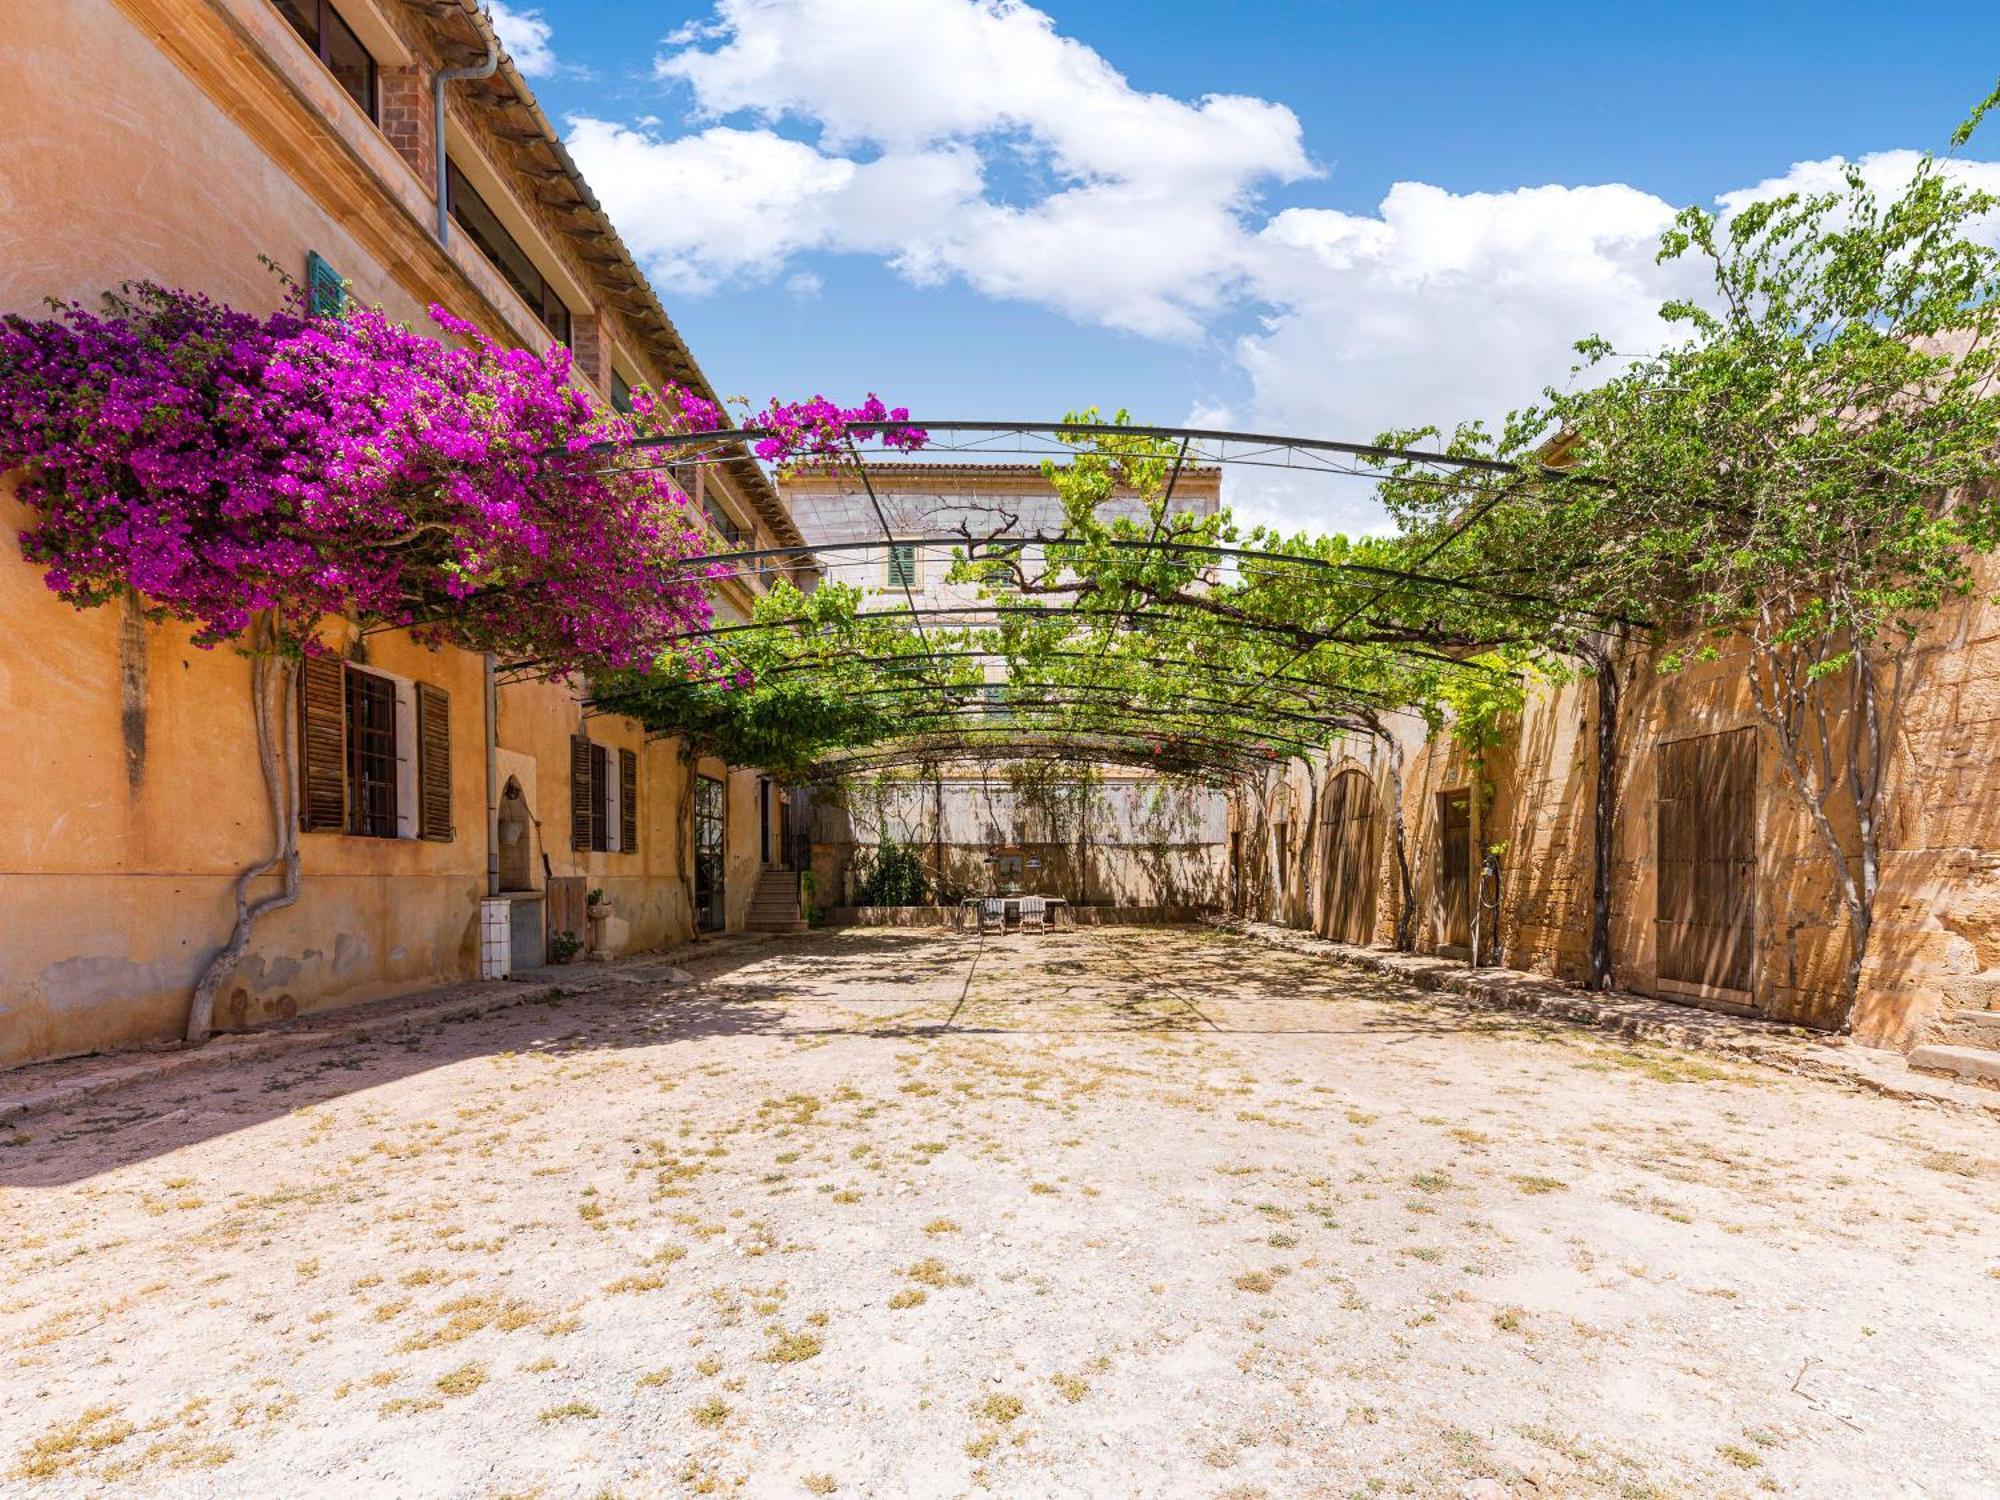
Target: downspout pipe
(445, 76)
(492, 695)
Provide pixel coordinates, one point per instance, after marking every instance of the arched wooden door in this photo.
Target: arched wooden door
(1349, 902)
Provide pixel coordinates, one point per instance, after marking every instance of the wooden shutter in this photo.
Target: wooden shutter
(600, 783)
(628, 801)
(323, 744)
(579, 793)
(325, 291)
(433, 763)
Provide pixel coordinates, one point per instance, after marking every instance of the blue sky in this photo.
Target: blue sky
(980, 209)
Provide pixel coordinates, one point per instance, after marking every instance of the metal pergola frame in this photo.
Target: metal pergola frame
(1093, 725)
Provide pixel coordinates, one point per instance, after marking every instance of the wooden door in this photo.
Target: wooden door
(1455, 868)
(1707, 845)
(1350, 863)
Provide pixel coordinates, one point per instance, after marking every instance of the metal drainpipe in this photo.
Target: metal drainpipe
(454, 75)
(492, 776)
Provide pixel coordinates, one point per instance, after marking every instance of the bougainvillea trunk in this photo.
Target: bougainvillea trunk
(273, 684)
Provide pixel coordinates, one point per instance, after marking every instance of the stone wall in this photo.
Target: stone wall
(1936, 942)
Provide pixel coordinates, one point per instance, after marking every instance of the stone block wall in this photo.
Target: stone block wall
(1935, 947)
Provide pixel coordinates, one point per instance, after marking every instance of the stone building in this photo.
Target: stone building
(180, 141)
(1721, 894)
(1119, 837)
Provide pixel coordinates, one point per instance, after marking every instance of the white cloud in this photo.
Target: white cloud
(916, 105)
(968, 140)
(729, 204)
(525, 35)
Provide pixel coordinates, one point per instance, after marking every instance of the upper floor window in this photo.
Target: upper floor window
(338, 47)
(902, 570)
(621, 393)
(483, 227)
(724, 524)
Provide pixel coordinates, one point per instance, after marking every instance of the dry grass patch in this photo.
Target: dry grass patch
(99, 1428)
(788, 1348)
(463, 1381)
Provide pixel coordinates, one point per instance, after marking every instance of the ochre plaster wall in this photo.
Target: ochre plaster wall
(133, 792)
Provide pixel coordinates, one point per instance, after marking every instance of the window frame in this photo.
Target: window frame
(610, 794)
(540, 297)
(711, 852)
(374, 773)
(324, 11)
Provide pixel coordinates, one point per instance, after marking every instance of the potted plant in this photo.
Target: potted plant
(563, 947)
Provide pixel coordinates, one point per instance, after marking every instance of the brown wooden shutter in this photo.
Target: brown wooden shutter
(579, 792)
(600, 785)
(323, 744)
(628, 801)
(433, 763)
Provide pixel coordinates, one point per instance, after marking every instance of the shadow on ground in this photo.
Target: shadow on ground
(819, 986)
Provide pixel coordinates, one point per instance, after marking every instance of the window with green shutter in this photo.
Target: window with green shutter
(326, 293)
(902, 565)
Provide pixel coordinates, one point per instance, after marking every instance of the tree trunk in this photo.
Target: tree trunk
(1602, 814)
(1794, 706)
(273, 683)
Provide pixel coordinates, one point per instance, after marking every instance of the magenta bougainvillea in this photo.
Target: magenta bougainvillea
(218, 464)
(801, 433)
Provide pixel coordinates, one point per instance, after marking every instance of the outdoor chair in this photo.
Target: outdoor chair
(992, 915)
(1033, 913)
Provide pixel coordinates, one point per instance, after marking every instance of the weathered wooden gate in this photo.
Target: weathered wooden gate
(1455, 872)
(566, 905)
(1707, 832)
(1348, 914)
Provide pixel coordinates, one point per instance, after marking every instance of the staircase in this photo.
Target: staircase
(775, 907)
(1965, 1043)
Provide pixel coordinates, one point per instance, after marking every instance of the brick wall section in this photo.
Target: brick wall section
(592, 349)
(407, 120)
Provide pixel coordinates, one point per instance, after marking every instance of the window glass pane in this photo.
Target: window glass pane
(353, 69)
(555, 315)
(725, 527)
(371, 742)
(621, 393)
(304, 16)
(708, 853)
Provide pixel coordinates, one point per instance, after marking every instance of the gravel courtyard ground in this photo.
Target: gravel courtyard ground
(1096, 1213)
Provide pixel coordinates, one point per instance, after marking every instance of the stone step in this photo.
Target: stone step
(1966, 1028)
(1976, 1064)
(775, 924)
